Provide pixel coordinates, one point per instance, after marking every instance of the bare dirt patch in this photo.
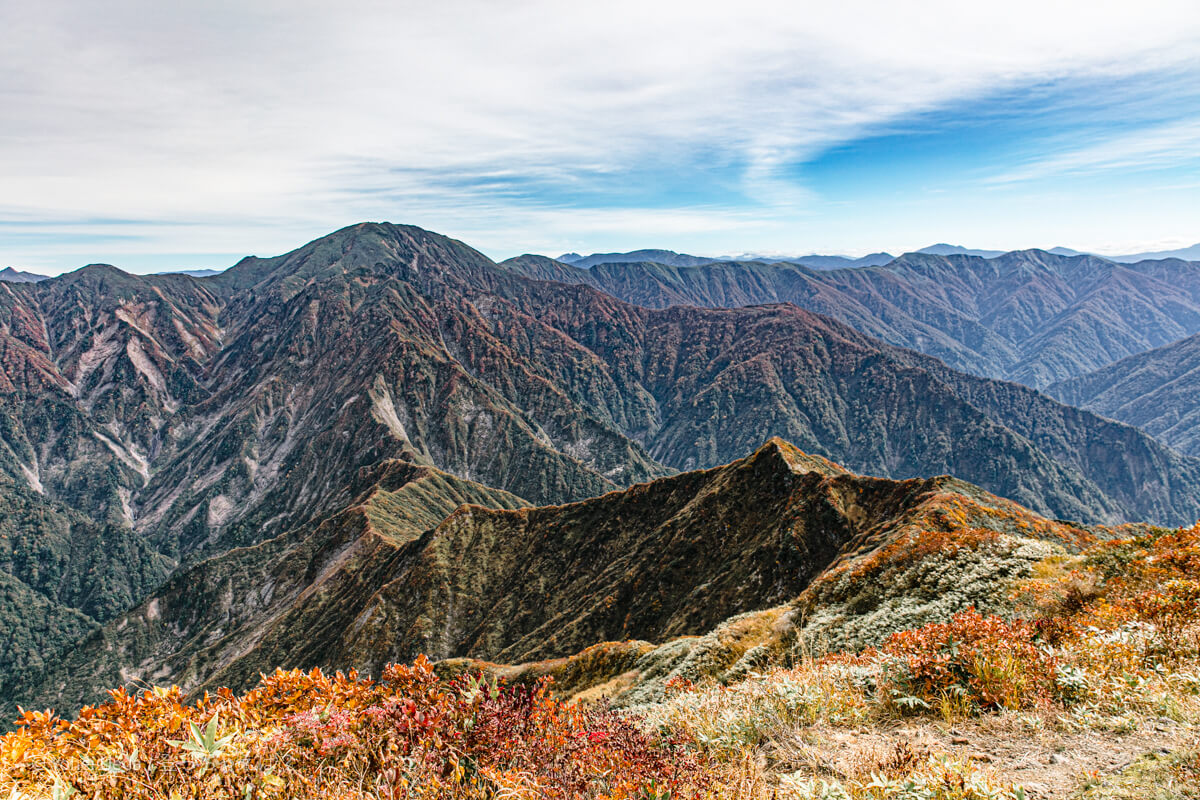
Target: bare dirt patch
(1038, 753)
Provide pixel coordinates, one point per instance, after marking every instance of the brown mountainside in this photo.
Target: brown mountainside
(1156, 391)
(671, 558)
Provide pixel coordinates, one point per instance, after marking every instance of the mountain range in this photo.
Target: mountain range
(256, 456)
(1156, 391)
(17, 276)
(943, 249)
(1186, 253)
(1027, 316)
(672, 259)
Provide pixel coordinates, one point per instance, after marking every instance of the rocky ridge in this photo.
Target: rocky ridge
(423, 562)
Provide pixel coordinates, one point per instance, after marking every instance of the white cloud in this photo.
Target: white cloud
(259, 121)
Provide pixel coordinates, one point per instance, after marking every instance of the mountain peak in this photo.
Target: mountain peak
(943, 249)
(405, 251)
(795, 459)
(655, 256)
(99, 273)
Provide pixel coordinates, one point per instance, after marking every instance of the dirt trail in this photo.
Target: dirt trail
(1046, 760)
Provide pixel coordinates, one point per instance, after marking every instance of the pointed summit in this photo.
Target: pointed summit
(794, 459)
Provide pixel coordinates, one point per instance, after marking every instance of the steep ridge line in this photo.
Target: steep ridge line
(487, 578)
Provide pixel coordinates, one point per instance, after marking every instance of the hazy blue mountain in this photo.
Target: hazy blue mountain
(943, 249)
(1186, 253)
(195, 273)
(17, 276)
(816, 261)
(819, 261)
(668, 257)
(672, 259)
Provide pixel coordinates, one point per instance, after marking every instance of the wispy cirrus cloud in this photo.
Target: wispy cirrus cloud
(1166, 145)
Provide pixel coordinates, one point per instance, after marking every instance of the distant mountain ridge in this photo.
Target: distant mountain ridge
(669, 257)
(1184, 253)
(841, 262)
(943, 249)
(1028, 316)
(816, 261)
(672, 259)
(17, 276)
(195, 273)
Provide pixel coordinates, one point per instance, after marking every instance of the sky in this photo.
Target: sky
(159, 136)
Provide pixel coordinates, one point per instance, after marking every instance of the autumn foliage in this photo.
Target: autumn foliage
(993, 663)
(1149, 584)
(307, 734)
(1103, 635)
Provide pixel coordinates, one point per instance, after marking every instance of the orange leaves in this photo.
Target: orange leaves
(1152, 579)
(15, 747)
(301, 733)
(918, 545)
(1173, 608)
(995, 663)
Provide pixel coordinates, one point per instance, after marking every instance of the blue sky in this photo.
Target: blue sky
(162, 136)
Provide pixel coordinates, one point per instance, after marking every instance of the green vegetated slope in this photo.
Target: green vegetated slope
(1028, 316)
(1157, 391)
(385, 580)
(60, 575)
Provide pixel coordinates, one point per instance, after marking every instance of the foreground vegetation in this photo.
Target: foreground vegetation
(1107, 641)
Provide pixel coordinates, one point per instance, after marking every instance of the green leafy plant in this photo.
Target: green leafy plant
(204, 744)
